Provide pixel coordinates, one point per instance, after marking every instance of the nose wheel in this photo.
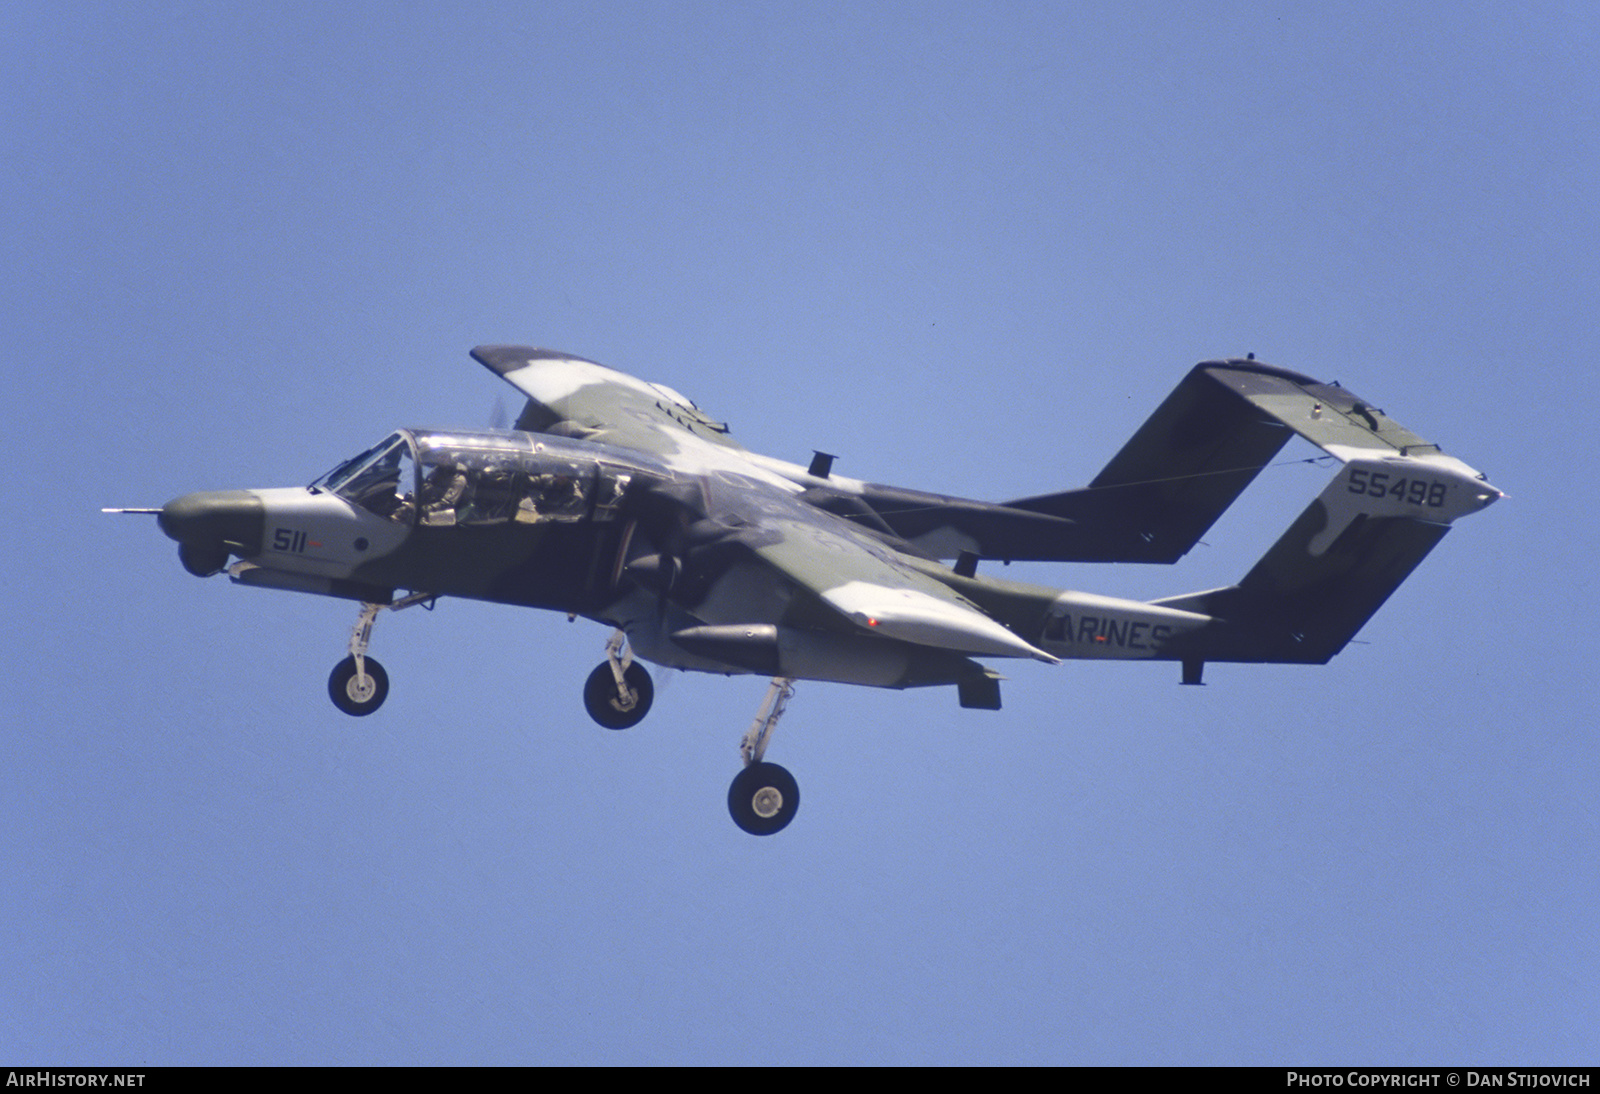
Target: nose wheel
(358, 685)
(358, 689)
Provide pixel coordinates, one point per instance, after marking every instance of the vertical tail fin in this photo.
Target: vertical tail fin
(1391, 503)
(1178, 473)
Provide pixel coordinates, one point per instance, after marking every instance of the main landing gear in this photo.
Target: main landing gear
(764, 797)
(358, 685)
(618, 693)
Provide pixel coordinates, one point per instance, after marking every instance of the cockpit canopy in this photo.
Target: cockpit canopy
(378, 479)
(443, 479)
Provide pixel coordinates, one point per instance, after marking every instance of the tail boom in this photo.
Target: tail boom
(1394, 498)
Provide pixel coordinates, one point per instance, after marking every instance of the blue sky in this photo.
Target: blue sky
(967, 247)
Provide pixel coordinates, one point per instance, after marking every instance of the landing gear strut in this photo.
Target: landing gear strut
(358, 685)
(618, 693)
(764, 797)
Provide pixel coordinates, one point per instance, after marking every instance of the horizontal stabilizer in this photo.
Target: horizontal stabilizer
(1325, 414)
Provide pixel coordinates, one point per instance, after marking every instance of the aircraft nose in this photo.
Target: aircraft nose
(211, 525)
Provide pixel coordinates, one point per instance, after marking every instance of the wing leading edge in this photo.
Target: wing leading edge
(571, 396)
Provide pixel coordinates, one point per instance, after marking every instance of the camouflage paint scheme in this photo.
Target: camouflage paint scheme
(713, 558)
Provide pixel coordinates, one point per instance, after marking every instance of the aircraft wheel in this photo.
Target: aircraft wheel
(353, 695)
(605, 706)
(763, 799)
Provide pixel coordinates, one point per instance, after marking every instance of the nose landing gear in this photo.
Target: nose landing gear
(358, 685)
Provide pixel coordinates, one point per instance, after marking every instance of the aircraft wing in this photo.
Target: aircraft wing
(845, 569)
(572, 397)
(865, 583)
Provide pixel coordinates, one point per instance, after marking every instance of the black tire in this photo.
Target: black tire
(350, 698)
(604, 705)
(763, 799)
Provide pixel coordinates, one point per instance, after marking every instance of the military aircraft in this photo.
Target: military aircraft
(621, 501)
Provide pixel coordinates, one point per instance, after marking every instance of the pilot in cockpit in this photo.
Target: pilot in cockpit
(443, 492)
